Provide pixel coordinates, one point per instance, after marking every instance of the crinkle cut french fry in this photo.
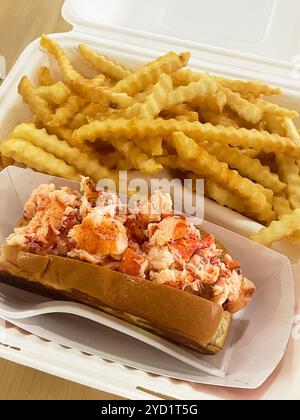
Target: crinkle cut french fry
(250, 152)
(217, 102)
(295, 237)
(142, 96)
(200, 90)
(41, 109)
(37, 105)
(5, 161)
(133, 111)
(140, 160)
(247, 166)
(196, 158)
(275, 124)
(55, 94)
(225, 198)
(136, 156)
(261, 126)
(45, 77)
(257, 140)
(291, 130)
(149, 74)
(256, 89)
(64, 114)
(214, 103)
(63, 133)
(152, 147)
(157, 99)
(282, 207)
(190, 116)
(140, 128)
(121, 100)
(177, 110)
(289, 173)
(78, 121)
(298, 164)
(62, 150)
(36, 158)
(244, 109)
(184, 77)
(273, 109)
(238, 121)
(125, 165)
(90, 110)
(278, 230)
(222, 196)
(99, 79)
(82, 86)
(103, 64)
(208, 116)
(169, 161)
(268, 193)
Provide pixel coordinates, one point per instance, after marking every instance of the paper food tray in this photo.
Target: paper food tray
(133, 48)
(244, 363)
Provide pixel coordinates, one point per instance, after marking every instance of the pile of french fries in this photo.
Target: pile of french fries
(164, 115)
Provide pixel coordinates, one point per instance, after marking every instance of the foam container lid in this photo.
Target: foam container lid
(248, 26)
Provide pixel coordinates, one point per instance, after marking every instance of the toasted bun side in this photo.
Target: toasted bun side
(179, 316)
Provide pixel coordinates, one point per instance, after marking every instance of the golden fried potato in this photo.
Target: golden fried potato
(137, 158)
(149, 74)
(55, 94)
(255, 89)
(158, 98)
(200, 90)
(273, 109)
(36, 158)
(278, 230)
(82, 86)
(244, 109)
(282, 206)
(37, 105)
(246, 165)
(258, 140)
(289, 173)
(196, 158)
(64, 114)
(45, 77)
(83, 162)
(103, 64)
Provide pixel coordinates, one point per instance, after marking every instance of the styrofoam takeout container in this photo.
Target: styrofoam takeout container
(118, 30)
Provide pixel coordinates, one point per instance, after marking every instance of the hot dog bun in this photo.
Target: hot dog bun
(174, 314)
